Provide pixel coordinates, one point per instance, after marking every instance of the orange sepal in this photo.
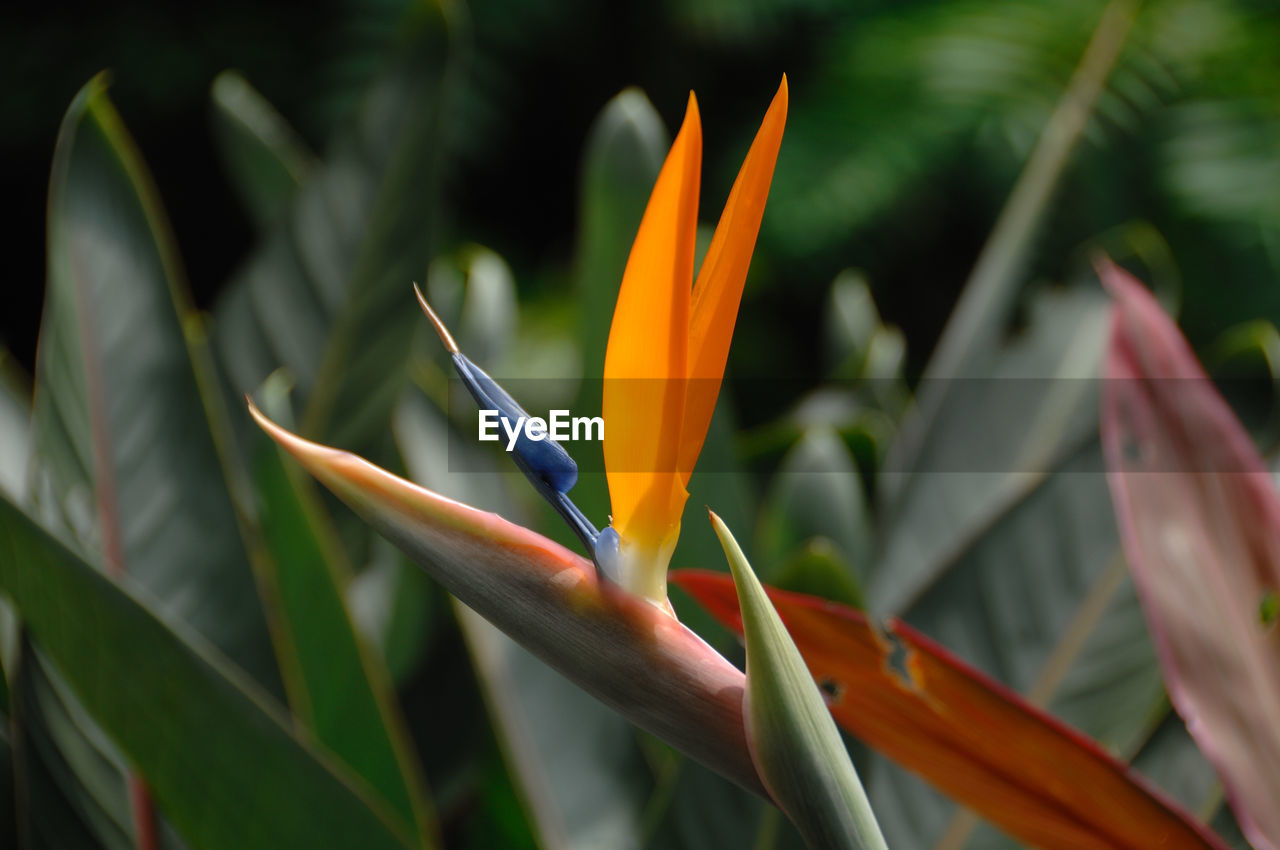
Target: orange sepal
(647, 356)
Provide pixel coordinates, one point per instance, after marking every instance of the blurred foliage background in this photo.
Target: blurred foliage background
(494, 163)
(909, 123)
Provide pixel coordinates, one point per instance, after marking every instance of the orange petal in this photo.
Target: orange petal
(724, 271)
(646, 360)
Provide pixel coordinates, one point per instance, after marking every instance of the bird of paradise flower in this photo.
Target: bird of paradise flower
(606, 623)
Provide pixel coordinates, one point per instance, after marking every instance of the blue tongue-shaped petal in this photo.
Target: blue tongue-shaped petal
(544, 462)
(546, 458)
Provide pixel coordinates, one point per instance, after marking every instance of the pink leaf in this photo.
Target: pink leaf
(1200, 519)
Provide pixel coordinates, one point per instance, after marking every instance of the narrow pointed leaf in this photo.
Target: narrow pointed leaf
(74, 786)
(624, 151)
(221, 764)
(342, 692)
(817, 493)
(126, 413)
(967, 735)
(626, 652)
(265, 158)
(324, 293)
(15, 428)
(794, 742)
(1200, 519)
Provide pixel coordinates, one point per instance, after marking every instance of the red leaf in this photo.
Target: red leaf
(966, 734)
(1200, 519)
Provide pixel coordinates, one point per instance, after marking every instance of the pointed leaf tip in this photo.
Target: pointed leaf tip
(1114, 279)
(446, 338)
(791, 735)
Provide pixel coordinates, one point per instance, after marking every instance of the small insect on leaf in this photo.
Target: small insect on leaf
(1269, 609)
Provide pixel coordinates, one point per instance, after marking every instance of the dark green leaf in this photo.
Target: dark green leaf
(15, 428)
(125, 395)
(328, 294)
(265, 159)
(624, 151)
(817, 492)
(74, 793)
(220, 762)
(339, 691)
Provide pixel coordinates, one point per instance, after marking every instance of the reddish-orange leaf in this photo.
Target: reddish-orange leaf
(966, 734)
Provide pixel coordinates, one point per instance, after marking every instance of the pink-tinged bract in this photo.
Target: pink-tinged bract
(628, 653)
(1200, 519)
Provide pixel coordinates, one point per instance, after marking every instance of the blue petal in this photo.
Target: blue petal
(544, 459)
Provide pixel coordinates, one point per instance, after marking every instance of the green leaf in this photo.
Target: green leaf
(818, 569)
(624, 151)
(794, 742)
(74, 792)
(223, 765)
(71, 779)
(130, 433)
(1001, 431)
(327, 295)
(857, 342)
(974, 331)
(264, 157)
(817, 492)
(707, 813)
(1023, 573)
(576, 762)
(991, 291)
(906, 96)
(15, 428)
(393, 604)
(339, 691)
(8, 794)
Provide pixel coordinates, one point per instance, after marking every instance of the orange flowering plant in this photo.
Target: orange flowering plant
(206, 583)
(608, 625)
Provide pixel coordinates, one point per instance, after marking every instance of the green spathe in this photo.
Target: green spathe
(793, 740)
